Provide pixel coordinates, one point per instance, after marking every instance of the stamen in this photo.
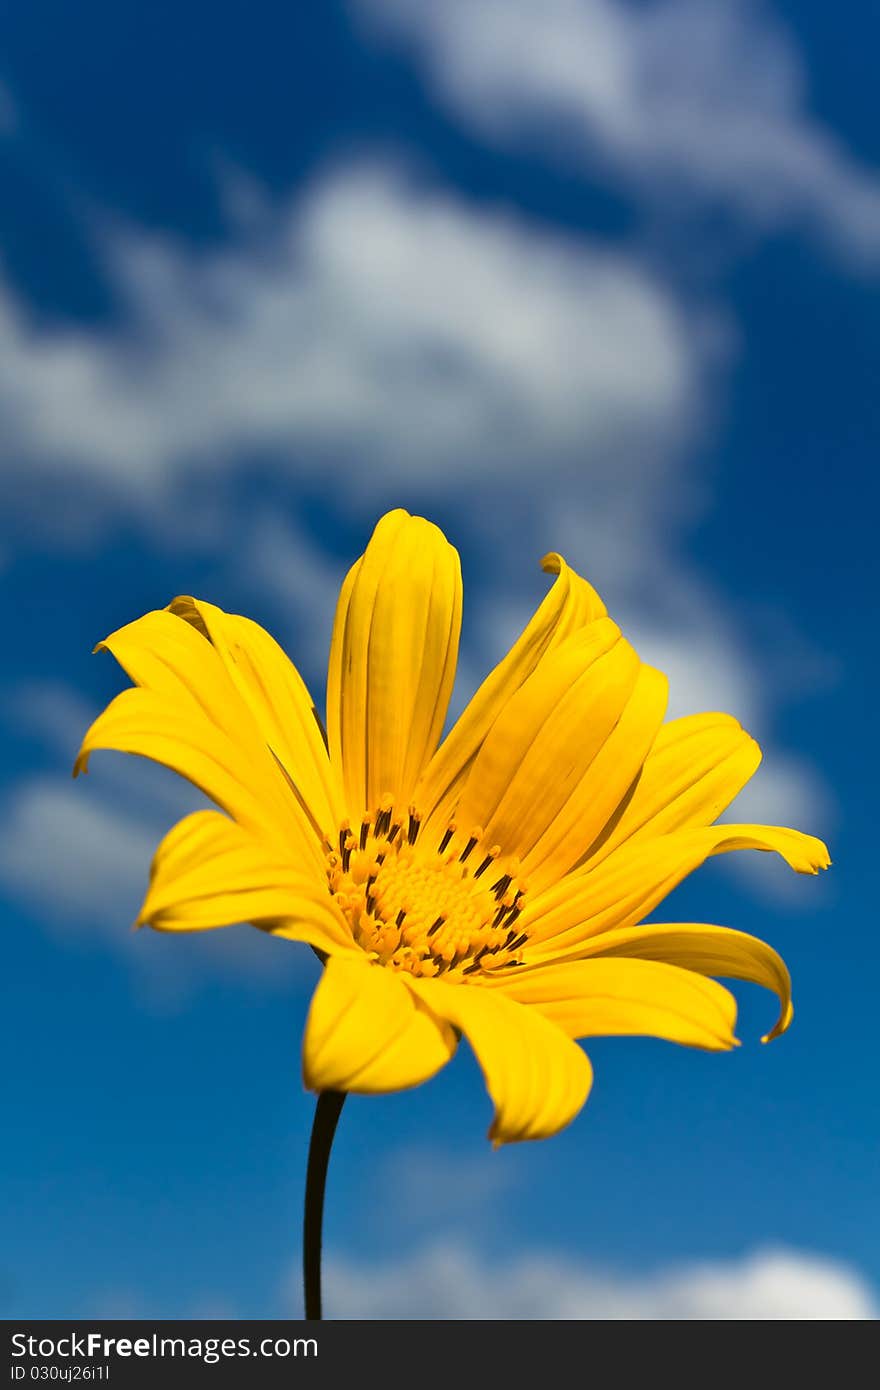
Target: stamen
(390, 895)
(490, 859)
(447, 836)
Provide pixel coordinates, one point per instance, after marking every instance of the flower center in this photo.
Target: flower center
(431, 910)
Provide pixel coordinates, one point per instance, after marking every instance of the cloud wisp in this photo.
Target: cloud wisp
(386, 341)
(78, 855)
(452, 1281)
(382, 333)
(679, 100)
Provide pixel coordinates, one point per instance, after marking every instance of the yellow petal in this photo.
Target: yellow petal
(628, 885)
(646, 998)
(602, 784)
(366, 1032)
(392, 660)
(708, 950)
(570, 604)
(209, 872)
(280, 705)
(537, 1077)
(544, 740)
(694, 770)
(187, 714)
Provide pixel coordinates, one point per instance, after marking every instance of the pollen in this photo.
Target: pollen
(449, 908)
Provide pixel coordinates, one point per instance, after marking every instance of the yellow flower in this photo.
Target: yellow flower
(493, 884)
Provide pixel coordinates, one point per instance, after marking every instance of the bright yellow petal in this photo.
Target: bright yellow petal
(710, 951)
(694, 770)
(392, 660)
(602, 784)
(570, 604)
(541, 747)
(628, 885)
(209, 872)
(280, 705)
(537, 1077)
(366, 1032)
(184, 740)
(186, 713)
(645, 998)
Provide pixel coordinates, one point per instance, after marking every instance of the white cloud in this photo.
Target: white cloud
(381, 335)
(786, 790)
(68, 853)
(381, 341)
(451, 1281)
(785, 781)
(52, 712)
(78, 854)
(679, 98)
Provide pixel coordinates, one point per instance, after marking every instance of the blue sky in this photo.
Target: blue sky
(585, 275)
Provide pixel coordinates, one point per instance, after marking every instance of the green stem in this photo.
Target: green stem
(327, 1113)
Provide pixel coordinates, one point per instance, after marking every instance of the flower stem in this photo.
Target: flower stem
(327, 1112)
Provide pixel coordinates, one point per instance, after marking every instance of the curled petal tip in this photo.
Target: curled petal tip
(820, 858)
(781, 1025)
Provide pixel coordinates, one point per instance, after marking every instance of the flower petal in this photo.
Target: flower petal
(629, 884)
(603, 783)
(209, 872)
(186, 713)
(708, 950)
(645, 998)
(696, 767)
(570, 604)
(537, 1077)
(279, 703)
(366, 1032)
(544, 740)
(392, 660)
